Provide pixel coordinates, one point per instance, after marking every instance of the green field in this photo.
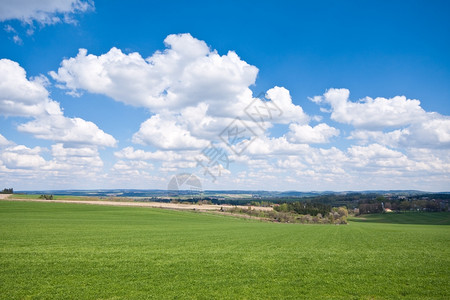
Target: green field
(55, 197)
(74, 251)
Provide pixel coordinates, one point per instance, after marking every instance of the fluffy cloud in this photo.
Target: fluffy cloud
(165, 133)
(289, 111)
(433, 132)
(320, 133)
(20, 96)
(69, 159)
(42, 11)
(27, 168)
(371, 113)
(132, 154)
(79, 160)
(395, 122)
(132, 165)
(59, 151)
(22, 157)
(29, 98)
(193, 95)
(186, 73)
(376, 155)
(357, 167)
(391, 138)
(194, 92)
(70, 130)
(169, 161)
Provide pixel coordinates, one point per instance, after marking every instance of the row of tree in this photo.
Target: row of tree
(7, 191)
(304, 208)
(337, 215)
(405, 205)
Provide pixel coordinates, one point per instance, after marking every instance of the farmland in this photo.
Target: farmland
(59, 250)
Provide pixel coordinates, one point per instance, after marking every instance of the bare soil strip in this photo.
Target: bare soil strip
(209, 207)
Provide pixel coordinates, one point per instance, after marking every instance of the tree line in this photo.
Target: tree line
(336, 215)
(304, 208)
(7, 191)
(381, 204)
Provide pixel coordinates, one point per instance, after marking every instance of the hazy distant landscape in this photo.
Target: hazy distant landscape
(402, 200)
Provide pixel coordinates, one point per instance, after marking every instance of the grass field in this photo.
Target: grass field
(55, 250)
(55, 197)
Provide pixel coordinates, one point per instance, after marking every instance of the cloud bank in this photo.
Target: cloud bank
(194, 95)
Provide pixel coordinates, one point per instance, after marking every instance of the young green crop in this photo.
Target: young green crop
(74, 251)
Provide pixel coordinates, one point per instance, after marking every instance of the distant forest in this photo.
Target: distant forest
(360, 202)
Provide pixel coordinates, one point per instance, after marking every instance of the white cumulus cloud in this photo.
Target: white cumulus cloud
(371, 113)
(82, 159)
(193, 91)
(320, 133)
(22, 157)
(164, 133)
(186, 73)
(132, 154)
(289, 111)
(395, 122)
(20, 96)
(193, 94)
(70, 130)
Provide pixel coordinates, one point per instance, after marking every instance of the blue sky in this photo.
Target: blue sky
(156, 84)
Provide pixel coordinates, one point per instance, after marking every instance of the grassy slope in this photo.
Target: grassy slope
(55, 197)
(442, 218)
(52, 250)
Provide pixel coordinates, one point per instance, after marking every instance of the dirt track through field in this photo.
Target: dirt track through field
(140, 204)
